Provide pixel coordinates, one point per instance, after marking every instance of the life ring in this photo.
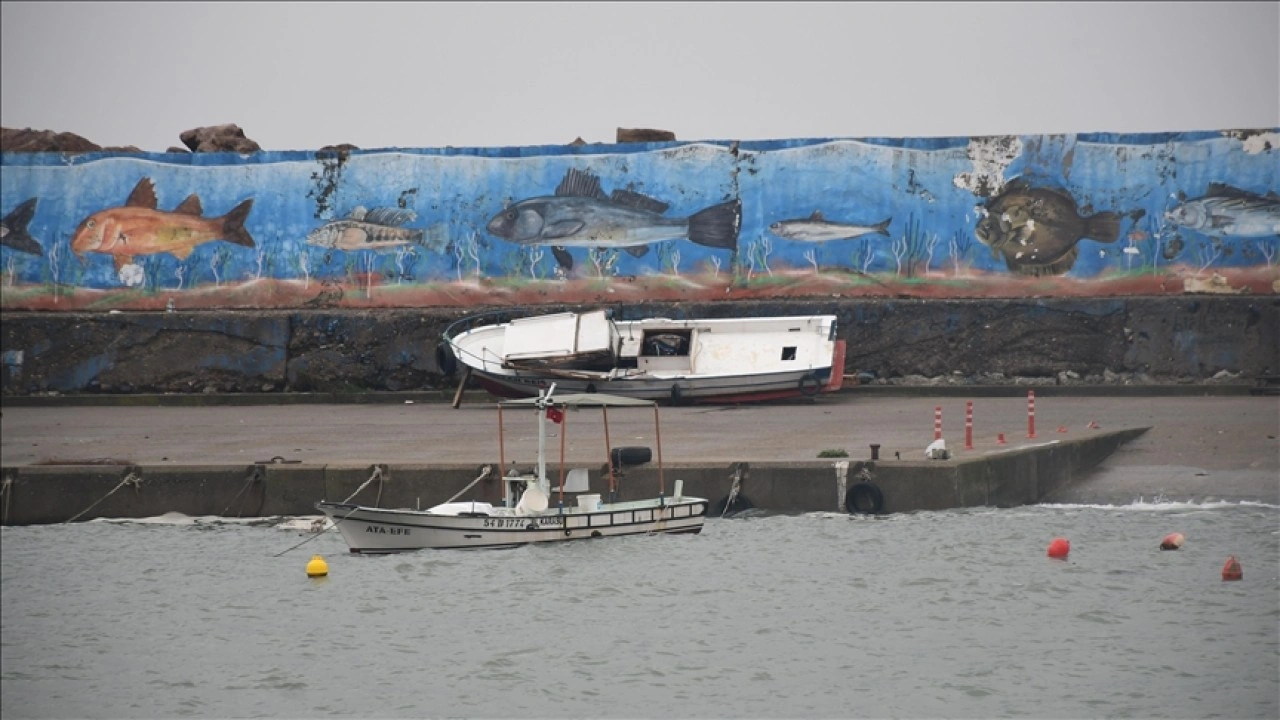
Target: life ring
(864, 498)
(445, 360)
(810, 385)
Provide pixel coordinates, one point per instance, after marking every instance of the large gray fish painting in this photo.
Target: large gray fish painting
(13, 229)
(377, 229)
(1036, 229)
(581, 215)
(1224, 210)
(816, 228)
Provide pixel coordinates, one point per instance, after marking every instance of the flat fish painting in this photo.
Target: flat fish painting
(580, 214)
(1225, 210)
(1037, 229)
(13, 229)
(138, 228)
(377, 229)
(817, 228)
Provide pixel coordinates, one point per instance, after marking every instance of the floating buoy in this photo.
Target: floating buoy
(1059, 548)
(1000, 439)
(1062, 428)
(1172, 541)
(1231, 569)
(317, 567)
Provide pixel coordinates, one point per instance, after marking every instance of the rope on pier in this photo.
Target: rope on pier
(254, 477)
(377, 475)
(484, 473)
(734, 490)
(130, 479)
(6, 492)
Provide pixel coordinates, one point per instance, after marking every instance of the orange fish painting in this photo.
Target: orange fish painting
(138, 228)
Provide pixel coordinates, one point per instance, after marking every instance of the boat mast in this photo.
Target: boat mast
(544, 399)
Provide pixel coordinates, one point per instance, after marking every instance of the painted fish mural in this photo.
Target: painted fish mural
(1037, 229)
(138, 228)
(816, 228)
(1225, 210)
(581, 215)
(377, 229)
(13, 229)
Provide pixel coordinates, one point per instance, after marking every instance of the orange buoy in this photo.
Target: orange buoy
(1059, 548)
(1231, 569)
(1172, 541)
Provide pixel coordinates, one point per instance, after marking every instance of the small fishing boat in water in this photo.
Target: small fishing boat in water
(699, 361)
(526, 514)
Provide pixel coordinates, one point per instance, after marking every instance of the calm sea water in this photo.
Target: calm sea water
(939, 614)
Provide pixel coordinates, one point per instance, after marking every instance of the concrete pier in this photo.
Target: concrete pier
(255, 460)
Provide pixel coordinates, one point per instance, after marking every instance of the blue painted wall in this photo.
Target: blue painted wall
(1085, 215)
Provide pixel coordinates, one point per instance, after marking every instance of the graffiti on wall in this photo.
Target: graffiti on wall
(1016, 216)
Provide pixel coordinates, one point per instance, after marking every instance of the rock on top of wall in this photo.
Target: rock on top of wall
(27, 140)
(218, 138)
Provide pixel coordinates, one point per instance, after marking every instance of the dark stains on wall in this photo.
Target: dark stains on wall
(1153, 340)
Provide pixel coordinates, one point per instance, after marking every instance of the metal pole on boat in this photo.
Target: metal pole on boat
(564, 430)
(608, 457)
(502, 462)
(658, 443)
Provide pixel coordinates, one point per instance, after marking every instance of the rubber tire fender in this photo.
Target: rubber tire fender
(861, 496)
(630, 455)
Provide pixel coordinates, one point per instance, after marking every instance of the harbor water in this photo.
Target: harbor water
(955, 614)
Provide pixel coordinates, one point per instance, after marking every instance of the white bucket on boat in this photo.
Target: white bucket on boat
(589, 502)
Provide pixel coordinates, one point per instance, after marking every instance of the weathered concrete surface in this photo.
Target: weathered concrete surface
(971, 342)
(241, 459)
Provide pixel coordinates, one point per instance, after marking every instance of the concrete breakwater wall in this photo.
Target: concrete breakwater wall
(43, 494)
(1075, 340)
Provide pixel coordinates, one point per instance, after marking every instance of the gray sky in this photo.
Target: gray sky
(298, 75)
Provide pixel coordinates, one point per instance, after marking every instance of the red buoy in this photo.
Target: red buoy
(1172, 541)
(1231, 570)
(1059, 548)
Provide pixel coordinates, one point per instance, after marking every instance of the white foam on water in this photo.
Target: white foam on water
(1161, 505)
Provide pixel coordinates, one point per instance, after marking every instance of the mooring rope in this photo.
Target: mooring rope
(130, 479)
(377, 475)
(6, 491)
(733, 491)
(484, 473)
(253, 477)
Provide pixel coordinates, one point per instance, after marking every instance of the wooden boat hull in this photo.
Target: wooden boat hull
(370, 530)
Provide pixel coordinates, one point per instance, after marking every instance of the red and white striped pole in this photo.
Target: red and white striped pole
(937, 422)
(968, 425)
(1031, 413)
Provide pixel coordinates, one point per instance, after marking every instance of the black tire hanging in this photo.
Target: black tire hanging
(864, 498)
(630, 455)
(810, 385)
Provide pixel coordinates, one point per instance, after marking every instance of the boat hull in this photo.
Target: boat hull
(703, 361)
(369, 530)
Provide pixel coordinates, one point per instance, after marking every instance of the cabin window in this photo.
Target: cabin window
(788, 353)
(667, 343)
